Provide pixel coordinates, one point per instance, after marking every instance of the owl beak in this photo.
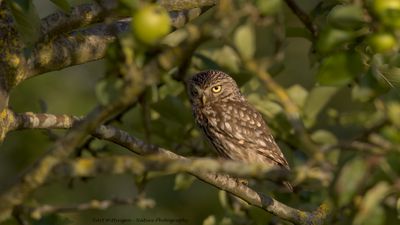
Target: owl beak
(203, 99)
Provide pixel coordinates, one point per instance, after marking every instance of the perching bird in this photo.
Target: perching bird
(233, 126)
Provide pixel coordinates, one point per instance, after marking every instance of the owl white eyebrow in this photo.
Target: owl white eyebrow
(220, 83)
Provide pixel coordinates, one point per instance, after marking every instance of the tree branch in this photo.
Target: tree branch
(90, 166)
(360, 142)
(89, 13)
(37, 173)
(304, 18)
(178, 5)
(87, 45)
(80, 16)
(10, 54)
(135, 82)
(38, 212)
(75, 48)
(166, 60)
(222, 182)
(50, 121)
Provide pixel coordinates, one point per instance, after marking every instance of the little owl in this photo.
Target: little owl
(233, 126)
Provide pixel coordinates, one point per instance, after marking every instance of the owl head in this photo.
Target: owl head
(212, 86)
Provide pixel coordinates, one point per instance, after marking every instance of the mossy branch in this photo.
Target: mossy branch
(85, 45)
(38, 172)
(220, 181)
(60, 22)
(75, 48)
(39, 211)
(68, 40)
(136, 80)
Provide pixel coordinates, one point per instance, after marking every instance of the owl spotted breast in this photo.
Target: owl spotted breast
(233, 126)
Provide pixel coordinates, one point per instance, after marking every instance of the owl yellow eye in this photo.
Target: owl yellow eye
(216, 89)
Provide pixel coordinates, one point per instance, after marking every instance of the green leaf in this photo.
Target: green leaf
(270, 7)
(63, 5)
(265, 106)
(226, 221)
(172, 108)
(390, 76)
(369, 87)
(227, 57)
(210, 220)
(350, 177)
(331, 38)
(170, 87)
(316, 101)
(183, 181)
(371, 212)
(131, 4)
(244, 39)
(175, 38)
(398, 208)
(298, 94)
(224, 200)
(391, 133)
(204, 61)
(339, 69)
(324, 137)
(27, 20)
(224, 58)
(394, 61)
(376, 216)
(108, 89)
(348, 17)
(362, 93)
(393, 109)
(167, 132)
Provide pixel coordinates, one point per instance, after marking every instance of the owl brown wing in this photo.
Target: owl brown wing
(244, 125)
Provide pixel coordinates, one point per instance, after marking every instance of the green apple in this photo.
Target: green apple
(382, 42)
(150, 24)
(388, 12)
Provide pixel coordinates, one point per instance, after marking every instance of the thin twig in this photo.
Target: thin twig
(304, 18)
(38, 212)
(93, 166)
(359, 142)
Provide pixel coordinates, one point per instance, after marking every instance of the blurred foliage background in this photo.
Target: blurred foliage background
(343, 78)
